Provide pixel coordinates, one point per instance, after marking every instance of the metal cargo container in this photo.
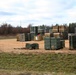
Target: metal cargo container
(36, 30)
(23, 37)
(32, 34)
(46, 30)
(41, 31)
(32, 46)
(35, 46)
(28, 45)
(72, 41)
(72, 27)
(75, 29)
(29, 36)
(64, 35)
(55, 43)
(47, 43)
(62, 43)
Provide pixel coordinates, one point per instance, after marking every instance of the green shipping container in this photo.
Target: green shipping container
(36, 30)
(55, 43)
(72, 41)
(28, 45)
(29, 36)
(32, 36)
(32, 46)
(35, 46)
(62, 43)
(47, 43)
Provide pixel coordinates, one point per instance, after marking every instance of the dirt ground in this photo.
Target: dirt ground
(13, 46)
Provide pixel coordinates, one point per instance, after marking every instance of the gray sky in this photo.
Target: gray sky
(37, 12)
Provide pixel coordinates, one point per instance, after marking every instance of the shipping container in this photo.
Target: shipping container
(75, 30)
(29, 36)
(72, 41)
(47, 43)
(62, 43)
(64, 35)
(55, 43)
(23, 37)
(36, 30)
(28, 46)
(72, 27)
(41, 31)
(46, 30)
(32, 35)
(35, 46)
(32, 46)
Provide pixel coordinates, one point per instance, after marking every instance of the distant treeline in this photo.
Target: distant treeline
(8, 29)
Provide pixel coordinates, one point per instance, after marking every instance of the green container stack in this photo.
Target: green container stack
(62, 43)
(72, 41)
(47, 43)
(41, 30)
(64, 35)
(35, 46)
(32, 34)
(32, 46)
(28, 45)
(55, 43)
(29, 36)
(36, 30)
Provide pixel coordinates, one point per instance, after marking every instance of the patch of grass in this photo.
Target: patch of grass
(13, 72)
(59, 63)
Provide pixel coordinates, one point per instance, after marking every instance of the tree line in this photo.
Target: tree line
(8, 29)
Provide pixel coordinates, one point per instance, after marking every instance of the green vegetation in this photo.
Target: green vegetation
(58, 63)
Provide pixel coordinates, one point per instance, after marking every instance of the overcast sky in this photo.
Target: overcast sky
(37, 12)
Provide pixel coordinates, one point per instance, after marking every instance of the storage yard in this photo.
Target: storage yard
(14, 46)
(41, 39)
(48, 51)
